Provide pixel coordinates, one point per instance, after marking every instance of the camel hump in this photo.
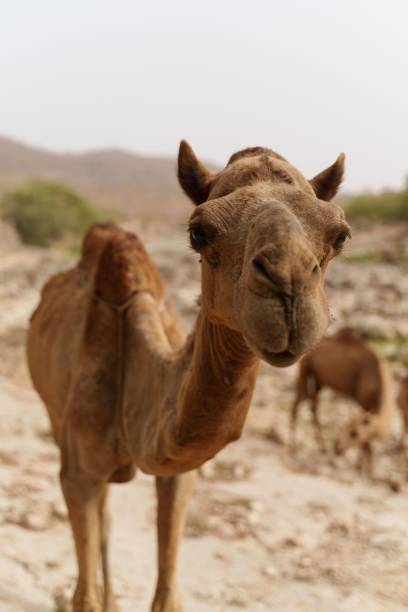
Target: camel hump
(349, 335)
(94, 242)
(119, 263)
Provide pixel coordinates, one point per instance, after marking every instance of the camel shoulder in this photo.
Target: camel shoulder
(350, 336)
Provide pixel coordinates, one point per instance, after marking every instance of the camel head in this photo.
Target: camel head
(360, 431)
(265, 236)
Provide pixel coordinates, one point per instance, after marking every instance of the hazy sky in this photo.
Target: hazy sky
(309, 78)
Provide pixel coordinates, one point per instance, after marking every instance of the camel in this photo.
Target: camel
(402, 402)
(345, 363)
(125, 391)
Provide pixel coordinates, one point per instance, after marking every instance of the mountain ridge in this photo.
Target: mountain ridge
(113, 178)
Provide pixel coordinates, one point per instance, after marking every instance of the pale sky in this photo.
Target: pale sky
(309, 78)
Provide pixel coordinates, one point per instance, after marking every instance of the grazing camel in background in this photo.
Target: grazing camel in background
(402, 402)
(124, 390)
(345, 363)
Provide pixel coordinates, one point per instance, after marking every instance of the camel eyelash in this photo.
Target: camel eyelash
(339, 242)
(201, 236)
(198, 237)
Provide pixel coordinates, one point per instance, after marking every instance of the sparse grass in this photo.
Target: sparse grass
(72, 247)
(44, 212)
(367, 257)
(386, 207)
(374, 257)
(394, 348)
(399, 341)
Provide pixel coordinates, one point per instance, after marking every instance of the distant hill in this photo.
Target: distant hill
(114, 179)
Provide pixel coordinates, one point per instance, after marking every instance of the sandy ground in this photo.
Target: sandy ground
(265, 531)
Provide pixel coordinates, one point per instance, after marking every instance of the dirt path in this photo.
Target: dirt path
(264, 532)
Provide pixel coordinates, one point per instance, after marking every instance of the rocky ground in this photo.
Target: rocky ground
(266, 531)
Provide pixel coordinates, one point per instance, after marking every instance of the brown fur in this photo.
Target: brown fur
(254, 152)
(402, 402)
(345, 363)
(122, 388)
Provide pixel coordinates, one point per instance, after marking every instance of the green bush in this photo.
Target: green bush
(44, 212)
(386, 207)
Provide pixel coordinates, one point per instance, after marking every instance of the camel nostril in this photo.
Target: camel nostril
(283, 277)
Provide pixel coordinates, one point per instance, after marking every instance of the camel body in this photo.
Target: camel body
(346, 364)
(402, 402)
(122, 387)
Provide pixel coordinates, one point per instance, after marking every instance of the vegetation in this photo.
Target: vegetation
(364, 257)
(44, 212)
(387, 207)
(375, 257)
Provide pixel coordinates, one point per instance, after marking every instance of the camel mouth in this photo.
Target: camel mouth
(279, 360)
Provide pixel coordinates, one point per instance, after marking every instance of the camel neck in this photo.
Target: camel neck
(194, 400)
(219, 384)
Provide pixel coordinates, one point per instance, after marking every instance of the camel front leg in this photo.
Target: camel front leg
(367, 460)
(109, 603)
(173, 494)
(404, 432)
(294, 413)
(317, 425)
(83, 498)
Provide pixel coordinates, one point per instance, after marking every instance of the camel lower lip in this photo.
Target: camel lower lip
(280, 360)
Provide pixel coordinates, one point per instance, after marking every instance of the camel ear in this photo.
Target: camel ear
(326, 184)
(193, 176)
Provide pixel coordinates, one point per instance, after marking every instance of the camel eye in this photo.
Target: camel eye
(353, 434)
(198, 237)
(340, 240)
